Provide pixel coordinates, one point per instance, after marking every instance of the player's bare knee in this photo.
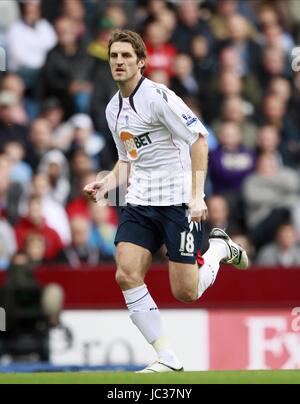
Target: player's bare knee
(185, 296)
(126, 278)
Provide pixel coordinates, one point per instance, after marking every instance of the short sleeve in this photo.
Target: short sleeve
(177, 117)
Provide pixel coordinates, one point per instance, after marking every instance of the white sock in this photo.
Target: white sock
(218, 251)
(146, 317)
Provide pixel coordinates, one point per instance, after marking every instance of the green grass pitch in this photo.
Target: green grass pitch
(242, 377)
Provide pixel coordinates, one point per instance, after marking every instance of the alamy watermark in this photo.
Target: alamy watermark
(296, 321)
(2, 320)
(296, 59)
(3, 60)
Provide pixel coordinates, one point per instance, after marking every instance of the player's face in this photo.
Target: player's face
(123, 62)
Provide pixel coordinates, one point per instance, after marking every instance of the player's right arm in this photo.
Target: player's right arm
(97, 190)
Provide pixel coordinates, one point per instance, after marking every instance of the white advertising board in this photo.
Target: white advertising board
(108, 338)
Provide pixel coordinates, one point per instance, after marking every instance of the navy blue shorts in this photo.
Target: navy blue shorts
(151, 227)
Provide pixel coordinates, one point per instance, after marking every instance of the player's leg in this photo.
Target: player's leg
(189, 281)
(136, 241)
(183, 240)
(221, 250)
(133, 263)
(181, 244)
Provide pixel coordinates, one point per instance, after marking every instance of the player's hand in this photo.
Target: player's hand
(95, 191)
(198, 210)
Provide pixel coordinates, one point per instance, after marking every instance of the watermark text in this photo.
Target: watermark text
(2, 320)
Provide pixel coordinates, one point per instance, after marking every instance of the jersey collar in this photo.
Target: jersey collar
(131, 102)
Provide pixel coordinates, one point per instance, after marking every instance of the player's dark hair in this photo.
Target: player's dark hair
(134, 39)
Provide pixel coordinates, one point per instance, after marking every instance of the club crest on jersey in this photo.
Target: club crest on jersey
(134, 143)
(189, 120)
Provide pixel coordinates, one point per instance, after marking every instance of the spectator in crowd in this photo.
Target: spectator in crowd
(37, 37)
(295, 101)
(20, 171)
(267, 15)
(85, 138)
(81, 165)
(268, 141)
(104, 229)
(281, 88)
(10, 193)
(284, 252)
(26, 108)
(160, 77)
(10, 129)
(274, 64)
(189, 25)
(117, 13)
(99, 46)
(205, 64)
(55, 165)
(167, 18)
(155, 8)
(219, 216)
(240, 37)
(35, 249)
(218, 22)
(274, 35)
(41, 141)
(113, 17)
(269, 194)
(9, 14)
(231, 60)
(82, 136)
(79, 204)
(81, 252)
(53, 112)
(76, 11)
(53, 211)
(227, 84)
(231, 163)
(274, 113)
(160, 52)
(8, 245)
(34, 222)
(219, 213)
(234, 109)
(184, 82)
(68, 69)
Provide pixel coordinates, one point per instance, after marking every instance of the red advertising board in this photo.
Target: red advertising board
(254, 339)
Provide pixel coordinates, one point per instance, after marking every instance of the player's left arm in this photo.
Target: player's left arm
(178, 118)
(199, 154)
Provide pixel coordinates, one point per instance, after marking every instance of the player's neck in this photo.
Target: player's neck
(128, 87)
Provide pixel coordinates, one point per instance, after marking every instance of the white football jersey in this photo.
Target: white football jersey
(153, 129)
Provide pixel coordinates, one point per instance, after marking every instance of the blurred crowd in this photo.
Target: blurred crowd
(232, 61)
